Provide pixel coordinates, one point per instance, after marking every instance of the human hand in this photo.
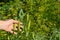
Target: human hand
(8, 25)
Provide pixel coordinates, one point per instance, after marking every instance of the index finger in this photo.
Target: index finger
(15, 21)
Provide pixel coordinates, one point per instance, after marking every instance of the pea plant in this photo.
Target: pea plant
(40, 18)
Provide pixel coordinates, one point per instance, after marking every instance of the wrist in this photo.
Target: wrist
(1, 27)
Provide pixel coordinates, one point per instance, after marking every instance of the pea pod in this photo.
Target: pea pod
(14, 27)
(19, 26)
(29, 24)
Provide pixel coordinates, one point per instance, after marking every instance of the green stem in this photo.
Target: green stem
(27, 17)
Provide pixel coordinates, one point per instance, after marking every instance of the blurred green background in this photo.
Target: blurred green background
(41, 19)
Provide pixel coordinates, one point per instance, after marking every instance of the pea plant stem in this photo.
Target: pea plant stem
(27, 17)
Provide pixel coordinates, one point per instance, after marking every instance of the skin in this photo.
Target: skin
(7, 25)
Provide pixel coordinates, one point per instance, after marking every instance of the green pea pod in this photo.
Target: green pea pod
(29, 24)
(19, 26)
(14, 27)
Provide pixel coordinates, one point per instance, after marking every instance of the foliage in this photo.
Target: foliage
(41, 19)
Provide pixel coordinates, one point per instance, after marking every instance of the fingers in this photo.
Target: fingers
(16, 29)
(14, 21)
(13, 32)
(11, 22)
(21, 27)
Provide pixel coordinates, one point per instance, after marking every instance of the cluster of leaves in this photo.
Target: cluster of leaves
(41, 19)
